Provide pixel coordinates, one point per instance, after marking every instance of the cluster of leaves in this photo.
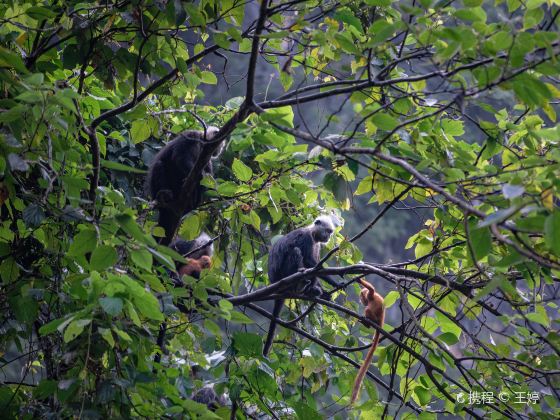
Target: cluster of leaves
(451, 107)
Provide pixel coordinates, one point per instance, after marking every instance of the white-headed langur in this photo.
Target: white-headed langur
(167, 172)
(296, 251)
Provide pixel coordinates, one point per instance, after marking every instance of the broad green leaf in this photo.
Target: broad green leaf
(552, 232)
(241, 171)
(109, 164)
(139, 131)
(107, 336)
(209, 78)
(246, 344)
(84, 242)
(75, 328)
(391, 298)
(112, 305)
(481, 242)
(142, 258)
(103, 257)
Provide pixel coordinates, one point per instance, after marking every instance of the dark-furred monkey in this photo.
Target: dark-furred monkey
(167, 172)
(293, 252)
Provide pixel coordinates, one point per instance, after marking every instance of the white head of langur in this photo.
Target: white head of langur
(322, 229)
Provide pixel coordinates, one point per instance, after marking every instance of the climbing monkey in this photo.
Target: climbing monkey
(375, 311)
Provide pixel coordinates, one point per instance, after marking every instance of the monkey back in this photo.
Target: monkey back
(284, 261)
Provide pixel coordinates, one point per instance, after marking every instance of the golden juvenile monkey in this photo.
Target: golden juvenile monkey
(194, 267)
(375, 311)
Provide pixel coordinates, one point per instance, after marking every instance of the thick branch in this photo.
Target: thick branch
(255, 53)
(95, 160)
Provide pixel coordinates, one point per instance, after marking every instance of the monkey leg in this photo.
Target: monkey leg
(325, 296)
(169, 220)
(298, 256)
(164, 196)
(313, 288)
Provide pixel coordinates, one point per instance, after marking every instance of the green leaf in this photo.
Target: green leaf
(344, 14)
(85, 241)
(13, 113)
(139, 131)
(209, 78)
(195, 17)
(129, 225)
(142, 258)
(540, 317)
(241, 171)
(304, 411)
(391, 298)
(190, 227)
(103, 257)
(449, 338)
(552, 232)
(30, 97)
(345, 41)
(74, 329)
(57, 324)
(282, 115)
(481, 242)
(107, 336)
(240, 318)
(112, 305)
(423, 394)
(144, 301)
(247, 344)
(475, 14)
(384, 121)
(39, 13)
(111, 164)
(9, 59)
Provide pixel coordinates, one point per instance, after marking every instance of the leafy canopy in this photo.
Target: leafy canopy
(324, 106)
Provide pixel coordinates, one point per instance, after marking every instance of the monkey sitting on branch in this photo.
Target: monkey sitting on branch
(198, 252)
(297, 251)
(167, 173)
(375, 311)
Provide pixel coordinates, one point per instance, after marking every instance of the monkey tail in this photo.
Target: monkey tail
(272, 328)
(364, 368)
(169, 220)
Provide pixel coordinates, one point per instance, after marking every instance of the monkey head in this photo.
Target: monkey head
(365, 296)
(211, 131)
(205, 262)
(322, 229)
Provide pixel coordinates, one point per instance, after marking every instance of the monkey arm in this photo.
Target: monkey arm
(367, 285)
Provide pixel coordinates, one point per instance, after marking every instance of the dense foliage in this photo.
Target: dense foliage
(445, 109)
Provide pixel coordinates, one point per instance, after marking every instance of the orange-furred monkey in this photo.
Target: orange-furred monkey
(194, 267)
(375, 311)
